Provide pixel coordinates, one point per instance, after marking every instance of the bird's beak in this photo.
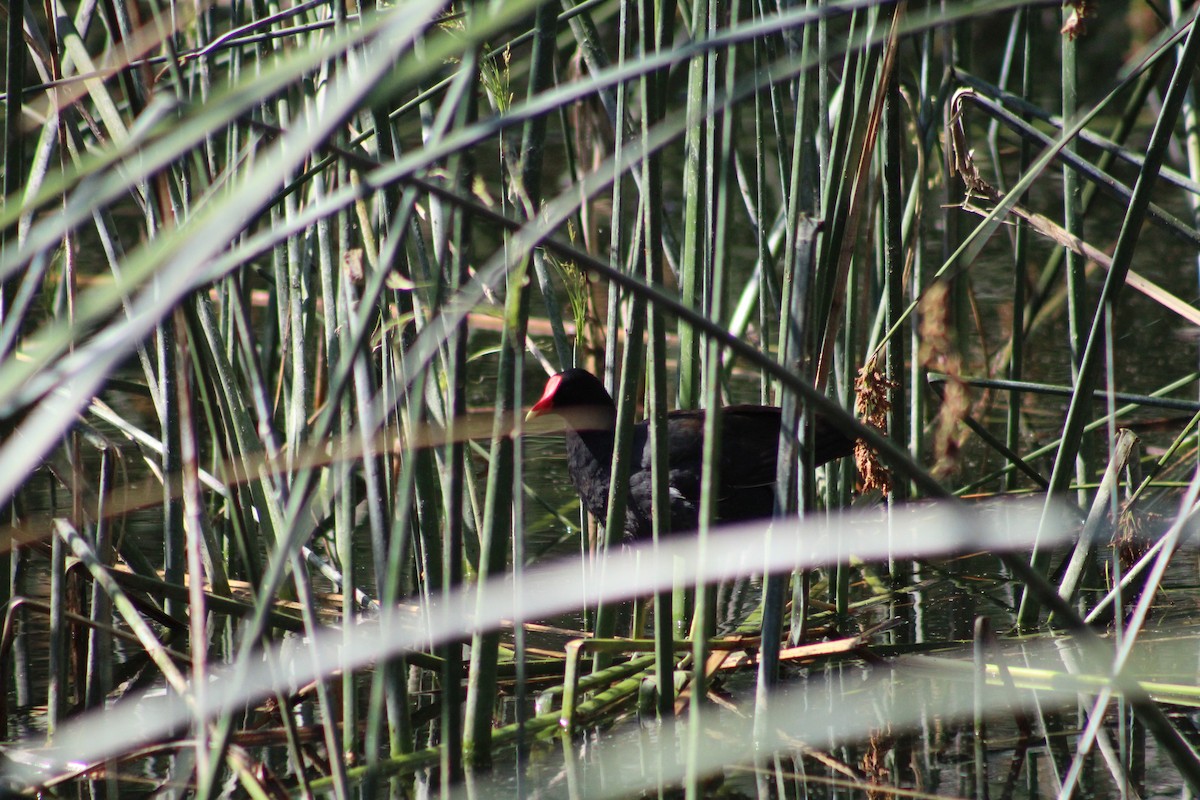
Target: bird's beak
(540, 407)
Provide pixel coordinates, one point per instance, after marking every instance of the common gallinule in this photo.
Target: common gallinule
(749, 446)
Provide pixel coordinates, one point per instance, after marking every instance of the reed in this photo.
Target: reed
(276, 282)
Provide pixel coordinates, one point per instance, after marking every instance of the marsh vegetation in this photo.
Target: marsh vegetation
(278, 282)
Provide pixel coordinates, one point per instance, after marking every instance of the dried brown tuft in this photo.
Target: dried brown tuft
(1129, 539)
(938, 354)
(1076, 24)
(872, 403)
(874, 766)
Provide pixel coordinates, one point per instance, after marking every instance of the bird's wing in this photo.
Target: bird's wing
(749, 447)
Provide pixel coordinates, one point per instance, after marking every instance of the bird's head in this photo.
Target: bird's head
(578, 396)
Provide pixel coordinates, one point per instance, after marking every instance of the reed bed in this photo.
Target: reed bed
(278, 281)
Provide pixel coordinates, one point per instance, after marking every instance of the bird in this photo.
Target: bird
(746, 474)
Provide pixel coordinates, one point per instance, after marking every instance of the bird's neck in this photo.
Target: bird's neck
(592, 430)
(596, 443)
(589, 453)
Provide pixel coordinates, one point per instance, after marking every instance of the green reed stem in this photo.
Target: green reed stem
(1115, 282)
(654, 16)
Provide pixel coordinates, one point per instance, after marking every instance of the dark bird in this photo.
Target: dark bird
(749, 447)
